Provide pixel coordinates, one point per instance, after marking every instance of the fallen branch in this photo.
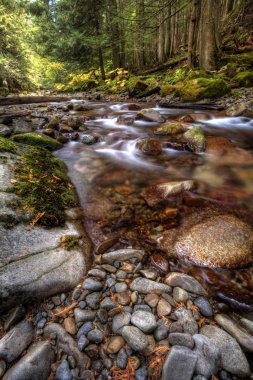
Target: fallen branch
(65, 310)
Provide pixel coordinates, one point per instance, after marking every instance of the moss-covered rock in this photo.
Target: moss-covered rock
(169, 89)
(202, 88)
(7, 146)
(37, 139)
(43, 187)
(195, 139)
(136, 87)
(149, 146)
(171, 128)
(243, 79)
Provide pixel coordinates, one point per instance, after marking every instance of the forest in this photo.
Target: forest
(72, 45)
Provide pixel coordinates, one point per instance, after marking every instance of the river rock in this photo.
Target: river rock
(122, 254)
(149, 114)
(149, 146)
(35, 365)
(119, 321)
(16, 340)
(156, 194)
(241, 109)
(63, 371)
(95, 336)
(180, 295)
(163, 308)
(89, 139)
(233, 328)
(144, 320)
(214, 241)
(209, 356)
(134, 338)
(5, 131)
(195, 139)
(185, 281)
(84, 315)
(233, 359)
(69, 325)
(115, 344)
(14, 316)
(186, 319)
(145, 286)
(181, 339)
(66, 343)
(179, 364)
(204, 306)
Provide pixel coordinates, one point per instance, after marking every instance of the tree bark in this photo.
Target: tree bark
(193, 34)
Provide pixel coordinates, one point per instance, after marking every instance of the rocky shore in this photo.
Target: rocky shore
(126, 314)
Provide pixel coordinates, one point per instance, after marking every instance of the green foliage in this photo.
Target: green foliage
(44, 189)
(37, 139)
(243, 79)
(175, 76)
(7, 146)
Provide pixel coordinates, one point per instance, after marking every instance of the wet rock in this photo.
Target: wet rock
(149, 274)
(122, 254)
(159, 262)
(134, 338)
(181, 339)
(2, 367)
(16, 340)
(161, 332)
(108, 304)
(115, 344)
(69, 325)
(171, 128)
(63, 371)
(82, 342)
(241, 109)
(66, 343)
(84, 315)
(220, 241)
(5, 131)
(141, 373)
(179, 364)
(123, 298)
(195, 139)
(144, 320)
(145, 286)
(180, 295)
(156, 194)
(102, 315)
(247, 324)
(204, 306)
(233, 359)
(120, 287)
(122, 359)
(150, 114)
(97, 273)
(14, 316)
(149, 146)
(95, 336)
(163, 308)
(233, 328)
(209, 356)
(89, 139)
(63, 128)
(186, 319)
(119, 321)
(53, 123)
(85, 328)
(151, 299)
(92, 285)
(93, 300)
(125, 120)
(35, 365)
(41, 324)
(75, 122)
(92, 351)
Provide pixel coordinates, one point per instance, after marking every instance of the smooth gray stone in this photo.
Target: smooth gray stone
(233, 328)
(82, 316)
(134, 338)
(63, 371)
(120, 287)
(181, 339)
(186, 319)
(95, 336)
(92, 285)
(247, 324)
(204, 306)
(108, 304)
(209, 356)
(14, 316)
(97, 273)
(179, 364)
(40, 276)
(144, 320)
(16, 341)
(66, 343)
(2, 367)
(145, 286)
(185, 282)
(180, 295)
(35, 365)
(233, 359)
(122, 359)
(122, 254)
(93, 300)
(119, 321)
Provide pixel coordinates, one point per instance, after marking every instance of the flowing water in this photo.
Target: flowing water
(111, 175)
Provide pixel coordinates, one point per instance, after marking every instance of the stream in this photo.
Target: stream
(111, 174)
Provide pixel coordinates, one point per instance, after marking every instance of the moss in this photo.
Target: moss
(201, 88)
(194, 74)
(37, 139)
(136, 87)
(245, 59)
(195, 139)
(171, 128)
(244, 79)
(170, 89)
(43, 186)
(69, 242)
(7, 146)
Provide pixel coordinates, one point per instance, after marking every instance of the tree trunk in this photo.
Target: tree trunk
(161, 36)
(208, 34)
(139, 43)
(115, 34)
(193, 33)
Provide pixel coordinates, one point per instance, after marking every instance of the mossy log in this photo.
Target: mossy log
(31, 99)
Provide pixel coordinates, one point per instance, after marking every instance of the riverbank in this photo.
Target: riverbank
(140, 311)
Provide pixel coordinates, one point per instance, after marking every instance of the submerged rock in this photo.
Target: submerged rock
(149, 146)
(216, 241)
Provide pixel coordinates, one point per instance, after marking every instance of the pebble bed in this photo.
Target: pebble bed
(126, 321)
